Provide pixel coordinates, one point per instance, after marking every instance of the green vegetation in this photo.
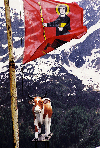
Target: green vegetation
(75, 120)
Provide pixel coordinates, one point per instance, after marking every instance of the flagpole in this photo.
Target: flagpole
(42, 19)
(13, 91)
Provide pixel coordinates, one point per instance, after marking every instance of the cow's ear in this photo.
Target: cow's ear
(45, 101)
(30, 101)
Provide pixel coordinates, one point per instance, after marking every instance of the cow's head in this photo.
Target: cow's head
(38, 104)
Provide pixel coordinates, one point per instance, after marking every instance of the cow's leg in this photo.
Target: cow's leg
(36, 132)
(46, 126)
(49, 124)
(39, 132)
(36, 128)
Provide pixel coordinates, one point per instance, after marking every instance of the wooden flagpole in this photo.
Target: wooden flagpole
(13, 91)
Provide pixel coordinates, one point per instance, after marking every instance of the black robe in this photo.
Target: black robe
(57, 23)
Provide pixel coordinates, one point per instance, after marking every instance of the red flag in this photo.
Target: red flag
(49, 24)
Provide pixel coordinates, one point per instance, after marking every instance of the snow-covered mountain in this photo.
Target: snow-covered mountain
(80, 57)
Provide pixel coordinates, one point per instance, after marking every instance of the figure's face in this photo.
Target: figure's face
(62, 11)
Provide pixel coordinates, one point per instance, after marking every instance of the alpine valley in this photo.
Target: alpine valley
(69, 75)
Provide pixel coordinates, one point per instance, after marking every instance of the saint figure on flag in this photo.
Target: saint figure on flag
(50, 24)
(62, 23)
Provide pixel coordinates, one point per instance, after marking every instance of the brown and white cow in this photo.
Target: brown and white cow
(42, 111)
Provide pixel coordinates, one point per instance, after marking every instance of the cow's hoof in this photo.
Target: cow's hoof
(46, 138)
(36, 139)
